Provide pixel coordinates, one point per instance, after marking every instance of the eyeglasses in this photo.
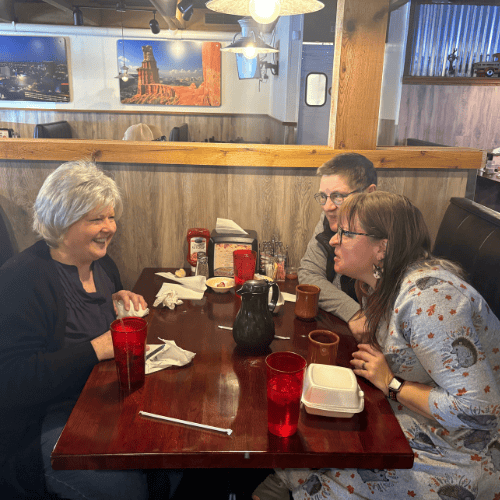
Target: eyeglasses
(341, 232)
(336, 198)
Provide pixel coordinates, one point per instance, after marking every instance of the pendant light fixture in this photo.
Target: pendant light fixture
(265, 11)
(250, 42)
(123, 74)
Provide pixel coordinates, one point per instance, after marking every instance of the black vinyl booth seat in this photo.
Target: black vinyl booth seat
(54, 130)
(6, 248)
(470, 235)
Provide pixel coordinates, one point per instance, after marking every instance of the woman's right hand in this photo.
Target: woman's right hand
(103, 346)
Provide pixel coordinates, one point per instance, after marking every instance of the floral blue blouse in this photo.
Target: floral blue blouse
(441, 333)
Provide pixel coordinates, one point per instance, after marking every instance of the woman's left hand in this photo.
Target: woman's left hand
(127, 297)
(371, 364)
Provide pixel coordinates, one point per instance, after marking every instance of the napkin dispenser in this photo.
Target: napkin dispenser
(221, 247)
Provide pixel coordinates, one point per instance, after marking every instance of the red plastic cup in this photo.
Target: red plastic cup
(285, 378)
(129, 343)
(244, 265)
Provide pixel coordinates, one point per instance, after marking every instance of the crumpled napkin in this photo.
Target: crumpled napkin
(196, 283)
(170, 355)
(122, 313)
(168, 298)
(181, 292)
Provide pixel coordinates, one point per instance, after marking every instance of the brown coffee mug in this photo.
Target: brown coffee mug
(323, 347)
(306, 301)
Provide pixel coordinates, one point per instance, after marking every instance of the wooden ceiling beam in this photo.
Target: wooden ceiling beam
(7, 11)
(61, 5)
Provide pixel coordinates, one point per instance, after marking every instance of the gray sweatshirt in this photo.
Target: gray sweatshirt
(316, 268)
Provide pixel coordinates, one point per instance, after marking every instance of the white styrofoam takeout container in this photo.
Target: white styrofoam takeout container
(332, 391)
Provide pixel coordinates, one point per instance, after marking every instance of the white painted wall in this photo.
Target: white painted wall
(394, 59)
(92, 62)
(286, 86)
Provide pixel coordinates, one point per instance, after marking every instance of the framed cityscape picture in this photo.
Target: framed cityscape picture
(33, 68)
(170, 73)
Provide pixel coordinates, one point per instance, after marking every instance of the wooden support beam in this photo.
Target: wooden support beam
(235, 155)
(357, 73)
(61, 5)
(7, 14)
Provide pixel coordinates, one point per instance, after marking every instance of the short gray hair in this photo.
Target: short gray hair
(69, 193)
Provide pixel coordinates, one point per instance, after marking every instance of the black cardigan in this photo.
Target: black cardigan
(34, 369)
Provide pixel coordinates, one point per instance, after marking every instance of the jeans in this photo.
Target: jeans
(86, 484)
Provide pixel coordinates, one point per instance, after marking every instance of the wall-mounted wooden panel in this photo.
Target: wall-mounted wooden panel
(162, 201)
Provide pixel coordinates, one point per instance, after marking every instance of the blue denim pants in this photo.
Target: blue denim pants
(94, 484)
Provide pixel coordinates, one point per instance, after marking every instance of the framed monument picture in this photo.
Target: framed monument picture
(170, 73)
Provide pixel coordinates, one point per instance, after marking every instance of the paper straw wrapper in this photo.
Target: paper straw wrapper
(186, 422)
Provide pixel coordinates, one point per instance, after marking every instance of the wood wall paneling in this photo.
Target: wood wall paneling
(162, 201)
(112, 126)
(459, 116)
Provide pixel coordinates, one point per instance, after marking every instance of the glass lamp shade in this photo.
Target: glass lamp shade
(242, 7)
(249, 47)
(250, 43)
(123, 75)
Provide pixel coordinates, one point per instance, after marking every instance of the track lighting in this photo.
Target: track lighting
(77, 17)
(186, 8)
(153, 24)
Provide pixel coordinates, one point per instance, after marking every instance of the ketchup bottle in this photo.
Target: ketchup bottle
(197, 238)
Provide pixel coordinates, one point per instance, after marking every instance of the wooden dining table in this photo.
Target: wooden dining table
(223, 386)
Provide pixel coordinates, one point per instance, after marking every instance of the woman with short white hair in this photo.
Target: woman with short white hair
(56, 306)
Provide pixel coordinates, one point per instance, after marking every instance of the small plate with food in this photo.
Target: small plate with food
(220, 284)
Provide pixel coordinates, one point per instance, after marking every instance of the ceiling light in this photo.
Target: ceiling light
(264, 11)
(264, 8)
(250, 43)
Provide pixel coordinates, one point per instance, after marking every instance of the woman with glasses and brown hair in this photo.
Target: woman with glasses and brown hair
(432, 350)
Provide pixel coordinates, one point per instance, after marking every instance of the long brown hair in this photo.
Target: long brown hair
(392, 217)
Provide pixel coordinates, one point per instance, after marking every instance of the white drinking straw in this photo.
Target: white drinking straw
(194, 424)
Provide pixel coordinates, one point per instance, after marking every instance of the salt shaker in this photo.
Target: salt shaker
(202, 265)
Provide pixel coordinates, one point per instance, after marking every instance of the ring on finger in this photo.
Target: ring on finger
(363, 366)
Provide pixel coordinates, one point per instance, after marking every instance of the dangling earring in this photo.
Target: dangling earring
(377, 272)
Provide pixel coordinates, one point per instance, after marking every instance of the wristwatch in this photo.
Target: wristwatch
(395, 385)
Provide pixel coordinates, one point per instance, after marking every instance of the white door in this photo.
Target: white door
(315, 94)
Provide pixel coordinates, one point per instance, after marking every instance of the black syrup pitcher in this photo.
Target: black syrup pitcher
(253, 327)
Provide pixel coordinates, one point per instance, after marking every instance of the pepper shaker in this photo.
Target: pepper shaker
(202, 265)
